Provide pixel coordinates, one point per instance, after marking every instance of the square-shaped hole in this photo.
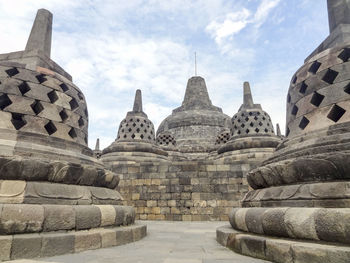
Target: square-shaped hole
(303, 123)
(314, 67)
(330, 76)
(18, 120)
(23, 88)
(345, 54)
(303, 87)
(50, 128)
(12, 72)
(316, 99)
(336, 113)
(4, 101)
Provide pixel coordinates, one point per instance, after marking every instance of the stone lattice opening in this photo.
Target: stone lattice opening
(287, 131)
(18, 120)
(288, 98)
(330, 76)
(64, 87)
(314, 67)
(294, 80)
(52, 96)
(80, 96)
(23, 88)
(12, 72)
(63, 115)
(336, 113)
(72, 133)
(303, 87)
(4, 101)
(41, 78)
(303, 123)
(73, 104)
(37, 107)
(81, 122)
(316, 99)
(345, 54)
(50, 128)
(347, 88)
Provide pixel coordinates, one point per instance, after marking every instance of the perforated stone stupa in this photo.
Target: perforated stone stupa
(301, 194)
(197, 122)
(55, 197)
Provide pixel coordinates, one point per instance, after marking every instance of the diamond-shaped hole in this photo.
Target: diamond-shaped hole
(73, 104)
(133, 136)
(138, 130)
(316, 99)
(251, 124)
(255, 118)
(287, 131)
(4, 101)
(314, 67)
(246, 119)
(37, 107)
(18, 120)
(345, 54)
(242, 125)
(336, 113)
(50, 128)
(260, 124)
(303, 123)
(295, 110)
(294, 80)
(23, 88)
(86, 139)
(41, 78)
(86, 113)
(288, 98)
(63, 115)
(141, 136)
(12, 72)
(347, 88)
(129, 129)
(72, 133)
(303, 88)
(81, 122)
(257, 130)
(247, 131)
(52, 96)
(64, 87)
(266, 130)
(80, 96)
(330, 76)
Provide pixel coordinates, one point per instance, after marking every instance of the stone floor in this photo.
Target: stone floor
(166, 242)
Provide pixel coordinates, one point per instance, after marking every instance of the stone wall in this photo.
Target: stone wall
(186, 190)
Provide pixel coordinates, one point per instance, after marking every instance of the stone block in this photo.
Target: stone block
(253, 220)
(12, 191)
(278, 250)
(108, 215)
(129, 215)
(300, 223)
(85, 240)
(119, 215)
(26, 246)
(139, 232)
(240, 221)
(252, 246)
(186, 217)
(151, 203)
(108, 238)
(273, 222)
(333, 225)
(87, 216)
(58, 217)
(57, 244)
(124, 235)
(20, 218)
(5, 247)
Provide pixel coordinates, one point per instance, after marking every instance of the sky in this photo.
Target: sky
(113, 47)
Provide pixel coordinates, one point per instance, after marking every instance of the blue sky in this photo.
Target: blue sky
(111, 48)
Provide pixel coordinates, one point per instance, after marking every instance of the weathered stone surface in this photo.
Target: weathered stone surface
(108, 215)
(57, 244)
(108, 238)
(21, 219)
(87, 217)
(253, 246)
(273, 222)
(124, 236)
(26, 246)
(85, 240)
(120, 215)
(278, 250)
(253, 220)
(59, 217)
(5, 247)
(300, 223)
(333, 225)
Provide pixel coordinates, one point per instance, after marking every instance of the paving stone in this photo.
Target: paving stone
(26, 246)
(57, 244)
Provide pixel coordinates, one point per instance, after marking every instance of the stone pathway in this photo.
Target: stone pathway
(166, 242)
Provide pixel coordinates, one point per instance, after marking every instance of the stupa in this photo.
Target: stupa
(55, 197)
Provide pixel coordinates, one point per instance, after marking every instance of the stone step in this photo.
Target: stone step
(281, 250)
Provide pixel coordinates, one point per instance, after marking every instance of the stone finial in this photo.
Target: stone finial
(247, 95)
(138, 101)
(40, 36)
(97, 146)
(196, 93)
(278, 130)
(338, 13)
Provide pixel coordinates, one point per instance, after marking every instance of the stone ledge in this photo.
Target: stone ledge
(27, 218)
(58, 243)
(281, 250)
(327, 224)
